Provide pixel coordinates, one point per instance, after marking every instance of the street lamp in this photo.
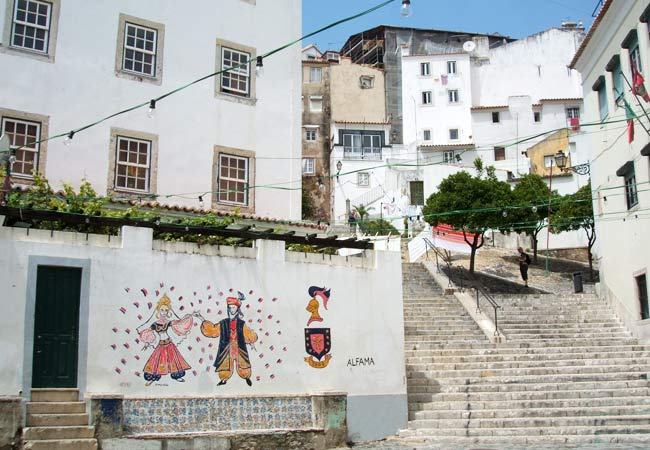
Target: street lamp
(339, 166)
(558, 159)
(580, 169)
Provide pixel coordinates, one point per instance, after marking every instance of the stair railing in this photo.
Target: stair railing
(445, 257)
(482, 292)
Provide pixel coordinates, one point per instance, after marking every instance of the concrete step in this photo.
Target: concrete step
(504, 350)
(56, 420)
(536, 413)
(55, 407)
(523, 437)
(426, 394)
(57, 433)
(538, 422)
(62, 444)
(518, 358)
(515, 367)
(55, 395)
(640, 400)
(509, 382)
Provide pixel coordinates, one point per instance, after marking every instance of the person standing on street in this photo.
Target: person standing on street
(524, 262)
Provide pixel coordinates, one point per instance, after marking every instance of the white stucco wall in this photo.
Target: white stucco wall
(81, 87)
(623, 248)
(364, 313)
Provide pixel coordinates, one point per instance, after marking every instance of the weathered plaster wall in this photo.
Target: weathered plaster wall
(350, 102)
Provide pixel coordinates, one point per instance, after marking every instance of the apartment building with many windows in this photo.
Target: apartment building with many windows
(67, 64)
(614, 60)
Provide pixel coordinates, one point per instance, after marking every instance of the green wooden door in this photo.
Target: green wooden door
(56, 327)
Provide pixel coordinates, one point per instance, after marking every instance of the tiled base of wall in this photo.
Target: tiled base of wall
(188, 415)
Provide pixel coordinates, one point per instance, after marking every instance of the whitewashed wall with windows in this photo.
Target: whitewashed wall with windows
(89, 61)
(623, 247)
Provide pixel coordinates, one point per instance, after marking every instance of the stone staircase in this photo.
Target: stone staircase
(568, 373)
(57, 420)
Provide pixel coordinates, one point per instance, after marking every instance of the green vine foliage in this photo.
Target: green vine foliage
(87, 202)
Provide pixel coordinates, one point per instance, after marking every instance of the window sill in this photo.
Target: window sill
(45, 57)
(236, 98)
(157, 80)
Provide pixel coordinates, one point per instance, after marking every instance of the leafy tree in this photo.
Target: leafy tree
(472, 204)
(533, 191)
(576, 211)
(383, 227)
(308, 209)
(363, 211)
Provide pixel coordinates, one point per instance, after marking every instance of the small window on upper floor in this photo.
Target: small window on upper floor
(448, 156)
(425, 69)
(31, 28)
(452, 96)
(573, 113)
(426, 135)
(308, 166)
(311, 134)
(315, 74)
(363, 179)
(236, 81)
(499, 153)
(24, 136)
(599, 87)
(496, 117)
(629, 179)
(427, 98)
(366, 82)
(451, 67)
(316, 103)
(454, 134)
(139, 49)
(537, 116)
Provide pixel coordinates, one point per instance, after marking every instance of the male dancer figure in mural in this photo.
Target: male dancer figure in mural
(165, 359)
(234, 336)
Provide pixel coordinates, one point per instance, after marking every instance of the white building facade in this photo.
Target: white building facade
(620, 168)
(69, 64)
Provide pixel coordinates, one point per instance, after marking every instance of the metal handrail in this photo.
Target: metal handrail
(446, 257)
(480, 290)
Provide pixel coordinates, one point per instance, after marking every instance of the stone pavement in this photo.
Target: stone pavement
(396, 444)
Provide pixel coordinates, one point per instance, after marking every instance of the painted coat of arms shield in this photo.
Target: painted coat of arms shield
(318, 344)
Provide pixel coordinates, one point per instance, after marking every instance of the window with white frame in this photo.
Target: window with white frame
(308, 166)
(132, 164)
(316, 103)
(30, 29)
(425, 69)
(140, 47)
(452, 96)
(635, 57)
(427, 98)
(453, 134)
(426, 135)
(235, 81)
(448, 156)
(363, 179)
(315, 74)
(451, 67)
(496, 117)
(549, 161)
(573, 113)
(139, 50)
(311, 134)
(23, 135)
(233, 179)
(629, 179)
(361, 144)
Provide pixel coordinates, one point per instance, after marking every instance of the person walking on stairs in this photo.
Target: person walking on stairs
(524, 262)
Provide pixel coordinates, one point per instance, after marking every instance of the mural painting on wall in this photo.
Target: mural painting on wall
(234, 337)
(318, 341)
(174, 328)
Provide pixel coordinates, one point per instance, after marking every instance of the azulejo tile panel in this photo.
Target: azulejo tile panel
(187, 415)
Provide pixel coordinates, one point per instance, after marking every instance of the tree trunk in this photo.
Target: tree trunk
(591, 265)
(471, 258)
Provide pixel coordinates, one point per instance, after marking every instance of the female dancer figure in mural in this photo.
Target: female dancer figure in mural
(234, 337)
(165, 359)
